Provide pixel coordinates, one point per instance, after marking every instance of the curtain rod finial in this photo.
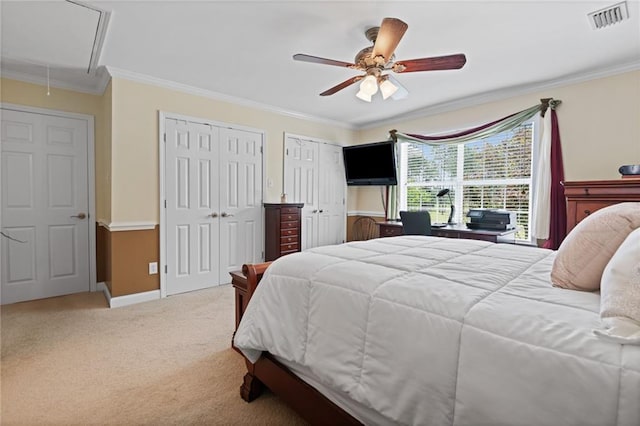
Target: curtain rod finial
(544, 106)
(393, 136)
(548, 103)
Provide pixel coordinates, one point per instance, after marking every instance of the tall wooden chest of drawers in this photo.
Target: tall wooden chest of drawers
(282, 228)
(585, 197)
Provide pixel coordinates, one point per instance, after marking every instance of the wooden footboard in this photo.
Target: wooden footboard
(268, 372)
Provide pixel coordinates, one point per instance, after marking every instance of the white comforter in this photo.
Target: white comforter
(437, 331)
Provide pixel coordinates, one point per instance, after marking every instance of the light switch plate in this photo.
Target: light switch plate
(153, 268)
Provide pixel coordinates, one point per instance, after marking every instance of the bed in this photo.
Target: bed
(431, 331)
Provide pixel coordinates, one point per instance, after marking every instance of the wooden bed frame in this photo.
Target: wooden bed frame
(268, 372)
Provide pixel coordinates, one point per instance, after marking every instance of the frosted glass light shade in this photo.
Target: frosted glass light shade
(364, 96)
(369, 85)
(387, 89)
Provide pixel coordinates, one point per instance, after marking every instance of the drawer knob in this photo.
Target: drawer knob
(587, 212)
(586, 191)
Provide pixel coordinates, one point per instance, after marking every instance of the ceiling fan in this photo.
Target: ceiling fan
(378, 61)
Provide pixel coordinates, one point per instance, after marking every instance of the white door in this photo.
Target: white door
(192, 207)
(301, 184)
(332, 187)
(213, 191)
(240, 200)
(45, 206)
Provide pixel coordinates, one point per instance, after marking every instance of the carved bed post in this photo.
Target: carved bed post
(245, 285)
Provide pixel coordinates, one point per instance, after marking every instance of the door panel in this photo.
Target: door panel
(241, 200)
(192, 230)
(300, 184)
(214, 203)
(45, 206)
(314, 175)
(332, 189)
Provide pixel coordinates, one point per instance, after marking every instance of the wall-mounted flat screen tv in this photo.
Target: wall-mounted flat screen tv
(370, 164)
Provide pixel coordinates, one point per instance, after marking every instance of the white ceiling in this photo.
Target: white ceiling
(243, 50)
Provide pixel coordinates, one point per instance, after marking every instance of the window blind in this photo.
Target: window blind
(493, 172)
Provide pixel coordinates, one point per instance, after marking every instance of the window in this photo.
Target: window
(493, 172)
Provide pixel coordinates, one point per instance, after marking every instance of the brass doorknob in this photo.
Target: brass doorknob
(80, 216)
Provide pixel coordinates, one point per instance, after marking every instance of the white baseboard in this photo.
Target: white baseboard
(129, 299)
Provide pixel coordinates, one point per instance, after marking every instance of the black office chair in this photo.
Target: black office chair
(416, 223)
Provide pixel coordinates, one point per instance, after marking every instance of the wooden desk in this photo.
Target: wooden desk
(394, 228)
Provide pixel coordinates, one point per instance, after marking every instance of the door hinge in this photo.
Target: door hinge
(260, 150)
(165, 269)
(262, 255)
(286, 151)
(165, 138)
(165, 204)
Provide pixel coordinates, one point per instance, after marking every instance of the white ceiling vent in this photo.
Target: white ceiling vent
(609, 15)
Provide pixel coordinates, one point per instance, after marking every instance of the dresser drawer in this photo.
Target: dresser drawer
(290, 210)
(288, 232)
(585, 208)
(390, 230)
(289, 225)
(289, 217)
(289, 247)
(288, 240)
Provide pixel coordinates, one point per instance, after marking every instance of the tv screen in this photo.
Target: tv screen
(370, 164)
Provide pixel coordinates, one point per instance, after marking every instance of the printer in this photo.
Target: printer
(492, 219)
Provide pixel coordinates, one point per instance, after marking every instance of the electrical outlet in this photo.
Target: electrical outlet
(153, 268)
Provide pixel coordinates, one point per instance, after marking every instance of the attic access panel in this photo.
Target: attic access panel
(56, 33)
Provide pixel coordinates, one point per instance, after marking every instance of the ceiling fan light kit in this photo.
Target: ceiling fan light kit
(378, 61)
(387, 88)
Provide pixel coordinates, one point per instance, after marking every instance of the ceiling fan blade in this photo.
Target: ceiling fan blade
(317, 60)
(402, 91)
(342, 85)
(450, 62)
(389, 35)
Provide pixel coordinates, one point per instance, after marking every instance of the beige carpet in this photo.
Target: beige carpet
(71, 360)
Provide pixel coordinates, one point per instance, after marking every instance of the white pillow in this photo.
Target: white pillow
(620, 293)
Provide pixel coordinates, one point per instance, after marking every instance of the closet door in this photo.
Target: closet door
(192, 209)
(301, 184)
(331, 191)
(314, 175)
(240, 200)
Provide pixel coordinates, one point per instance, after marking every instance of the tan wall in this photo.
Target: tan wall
(135, 182)
(599, 127)
(103, 160)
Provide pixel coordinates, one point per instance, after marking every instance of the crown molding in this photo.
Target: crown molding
(102, 81)
(172, 85)
(498, 95)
